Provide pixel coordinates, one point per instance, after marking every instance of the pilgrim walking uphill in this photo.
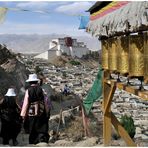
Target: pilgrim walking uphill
(34, 108)
(10, 117)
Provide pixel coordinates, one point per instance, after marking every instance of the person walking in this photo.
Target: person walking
(34, 108)
(10, 117)
(66, 90)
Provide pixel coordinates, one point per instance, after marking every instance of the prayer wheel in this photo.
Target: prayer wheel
(122, 59)
(112, 54)
(104, 44)
(136, 55)
(146, 57)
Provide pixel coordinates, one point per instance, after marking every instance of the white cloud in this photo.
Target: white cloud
(74, 8)
(33, 5)
(38, 5)
(26, 28)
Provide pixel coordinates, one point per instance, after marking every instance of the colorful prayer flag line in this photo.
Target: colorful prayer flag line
(19, 9)
(37, 11)
(108, 9)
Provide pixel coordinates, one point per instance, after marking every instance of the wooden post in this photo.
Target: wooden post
(85, 119)
(84, 123)
(109, 99)
(106, 114)
(60, 117)
(122, 132)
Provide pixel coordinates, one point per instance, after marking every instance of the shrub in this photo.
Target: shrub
(64, 54)
(128, 123)
(64, 74)
(75, 62)
(29, 62)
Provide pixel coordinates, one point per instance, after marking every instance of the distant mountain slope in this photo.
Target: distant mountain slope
(38, 43)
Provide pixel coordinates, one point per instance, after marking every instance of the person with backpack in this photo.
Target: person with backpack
(34, 108)
(10, 117)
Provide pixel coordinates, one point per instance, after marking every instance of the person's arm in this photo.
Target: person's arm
(1, 100)
(25, 105)
(17, 103)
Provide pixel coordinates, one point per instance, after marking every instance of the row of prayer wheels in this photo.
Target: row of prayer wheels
(126, 54)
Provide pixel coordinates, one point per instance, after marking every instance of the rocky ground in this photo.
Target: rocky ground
(70, 127)
(71, 132)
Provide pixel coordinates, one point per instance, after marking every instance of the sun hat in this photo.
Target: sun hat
(10, 92)
(32, 77)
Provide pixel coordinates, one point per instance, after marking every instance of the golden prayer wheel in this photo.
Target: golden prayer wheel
(136, 55)
(122, 59)
(146, 57)
(104, 54)
(112, 54)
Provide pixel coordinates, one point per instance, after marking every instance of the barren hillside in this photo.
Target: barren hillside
(65, 61)
(12, 72)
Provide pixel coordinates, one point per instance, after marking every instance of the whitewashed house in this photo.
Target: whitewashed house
(64, 45)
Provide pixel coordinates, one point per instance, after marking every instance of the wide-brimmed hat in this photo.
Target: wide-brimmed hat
(10, 92)
(32, 78)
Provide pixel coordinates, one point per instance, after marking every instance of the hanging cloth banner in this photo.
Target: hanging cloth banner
(108, 9)
(95, 92)
(83, 22)
(3, 12)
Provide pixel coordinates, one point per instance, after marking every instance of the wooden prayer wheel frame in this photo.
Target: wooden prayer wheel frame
(109, 119)
(106, 22)
(125, 55)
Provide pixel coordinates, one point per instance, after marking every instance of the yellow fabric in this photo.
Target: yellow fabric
(3, 12)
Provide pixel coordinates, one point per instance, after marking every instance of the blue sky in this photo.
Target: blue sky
(62, 17)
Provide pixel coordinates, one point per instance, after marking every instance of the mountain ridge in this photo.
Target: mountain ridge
(37, 43)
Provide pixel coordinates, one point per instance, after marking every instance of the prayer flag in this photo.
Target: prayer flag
(95, 92)
(83, 22)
